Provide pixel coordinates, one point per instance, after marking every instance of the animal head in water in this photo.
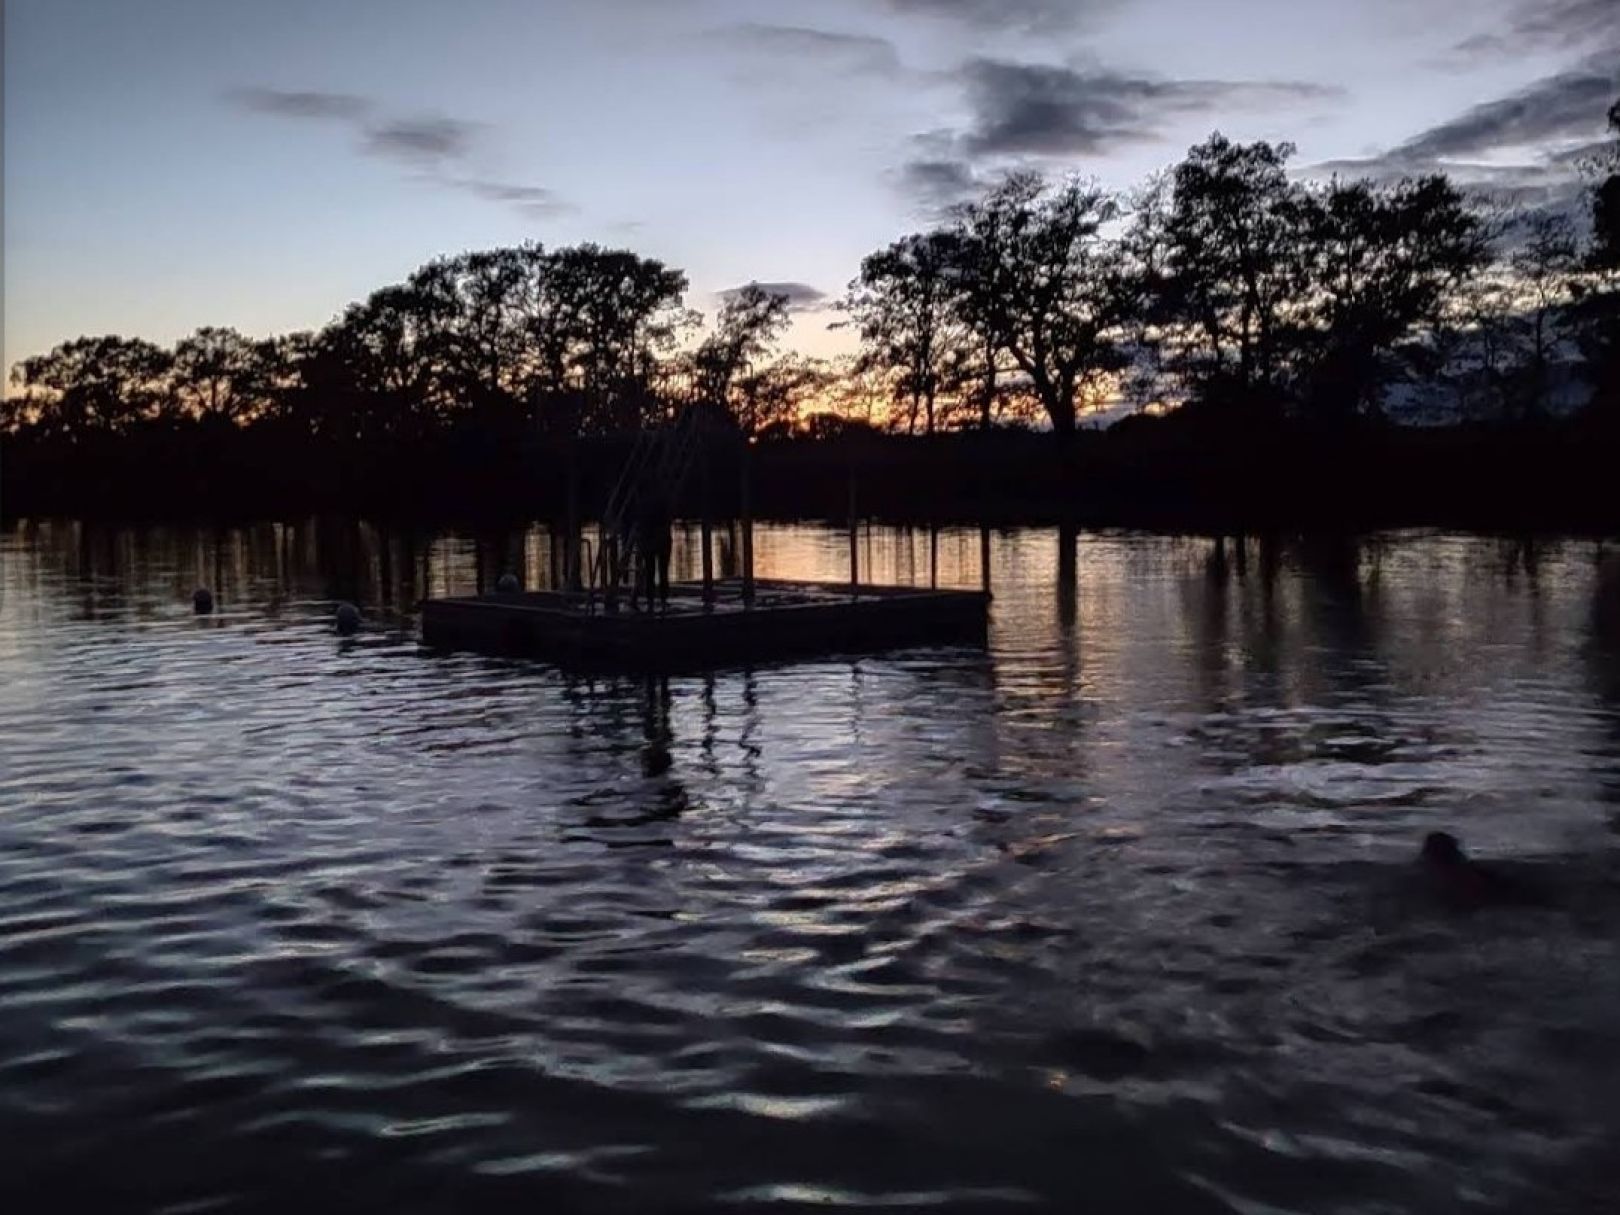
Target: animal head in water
(1442, 848)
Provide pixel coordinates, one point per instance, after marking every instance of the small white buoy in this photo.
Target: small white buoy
(202, 601)
(348, 619)
(508, 584)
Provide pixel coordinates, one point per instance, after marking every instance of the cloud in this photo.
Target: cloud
(429, 139)
(940, 182)
(1555, 25)
(421, 139)
(428, 143)
(801, 297)
(938, 174)
(1046, 110)
(1594, 152)
(285, 103)
(1564, 106)
(1040, 16)
(1023, 113)
(1523, 149)
(856, 52)
(532, 200)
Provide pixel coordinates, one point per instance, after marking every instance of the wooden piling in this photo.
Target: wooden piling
(747, 522)
(708, 536)
(854, 547)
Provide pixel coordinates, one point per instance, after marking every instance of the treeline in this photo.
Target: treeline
(1227, 283)
(580, 340)
(1224, 290)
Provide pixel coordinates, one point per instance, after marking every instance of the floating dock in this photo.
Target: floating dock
(783, 620)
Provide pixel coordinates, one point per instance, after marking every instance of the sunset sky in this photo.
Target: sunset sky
(175, 163)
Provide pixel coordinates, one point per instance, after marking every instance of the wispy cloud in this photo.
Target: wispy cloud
(1038, 16)
(431, 139)
(1540, 25)
(1524, 148)
(435, 145)
(853, 52)
(1532, 134)
(287, 103)
(533, 200)
(1567, 105)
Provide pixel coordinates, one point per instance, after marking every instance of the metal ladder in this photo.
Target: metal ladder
(659, 461)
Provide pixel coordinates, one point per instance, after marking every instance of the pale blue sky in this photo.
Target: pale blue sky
(175, 163)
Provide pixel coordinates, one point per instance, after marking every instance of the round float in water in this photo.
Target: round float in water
(508, 584)
(202, 601)
(348, 619)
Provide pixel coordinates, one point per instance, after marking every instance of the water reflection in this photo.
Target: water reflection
(1097, 917)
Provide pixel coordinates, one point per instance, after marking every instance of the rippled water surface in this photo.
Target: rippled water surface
(1117, 915)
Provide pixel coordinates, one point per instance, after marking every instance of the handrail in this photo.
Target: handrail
(661, 455)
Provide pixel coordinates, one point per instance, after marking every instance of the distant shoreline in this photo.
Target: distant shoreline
(1186, 474)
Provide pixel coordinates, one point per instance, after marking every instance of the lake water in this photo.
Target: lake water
(1116, 915)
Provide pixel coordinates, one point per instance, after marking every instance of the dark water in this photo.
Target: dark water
(1114, 917)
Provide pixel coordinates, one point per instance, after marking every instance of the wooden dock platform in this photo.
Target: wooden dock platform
(785, 620)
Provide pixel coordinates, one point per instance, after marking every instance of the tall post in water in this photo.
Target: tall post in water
(1068, 588)
(572, 542)
(708, 535)
(854, 546)
(517, 558)
(984, 557)
(747, 522)
(609, 547)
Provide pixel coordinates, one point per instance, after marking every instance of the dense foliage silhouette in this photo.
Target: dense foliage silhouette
(1243, 322)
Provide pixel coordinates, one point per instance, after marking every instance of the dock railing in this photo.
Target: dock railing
(659, 463)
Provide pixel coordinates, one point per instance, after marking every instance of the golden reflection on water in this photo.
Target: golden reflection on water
(1107, 648)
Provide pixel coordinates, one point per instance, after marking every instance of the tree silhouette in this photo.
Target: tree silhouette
(905, 307)
(979, 269)
(1599, 305)
(1234, 268)
(96, 383)
(613, 314)
(380, 359)
(1382, 259)
(212, 374)
(726, 367)
(1048, 290)
(471, 308)
(278, 377)
(1543, 270)
(768, 399)
(1605, 254)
